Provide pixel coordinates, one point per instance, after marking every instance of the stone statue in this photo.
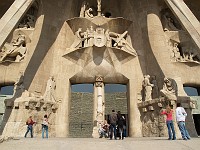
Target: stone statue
(147, 87)
(16, 50)
(89, 13)
(169, 89)
(83, 8)
(168, 22)
(27, 22)
(78, 39)
(155, 90)
(91, 36)
(176, 53)
(108, 38)
(50, 89)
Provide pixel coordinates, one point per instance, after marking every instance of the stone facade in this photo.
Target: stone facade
(46, 46)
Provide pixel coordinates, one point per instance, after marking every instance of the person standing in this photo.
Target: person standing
(30, 124)
(45, 124)
(169, 121)
(180, 117)
(120, 124)
(113, 122)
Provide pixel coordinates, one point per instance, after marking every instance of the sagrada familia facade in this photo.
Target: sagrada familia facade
(46, 46)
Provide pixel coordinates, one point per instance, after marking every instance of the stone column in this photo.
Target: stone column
(135, 124)
(62, 115)
(98, 105)
(98, 7)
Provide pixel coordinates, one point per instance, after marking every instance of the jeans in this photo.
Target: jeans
(113, 129)
(29, 128)
(184, 133)
(44, 129)
(170, 127)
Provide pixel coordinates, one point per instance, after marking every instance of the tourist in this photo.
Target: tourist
(113, 122)
(30, 124)
(45, 124)
(180, 117)
(169, 121)
(104, 129)
(120, 124)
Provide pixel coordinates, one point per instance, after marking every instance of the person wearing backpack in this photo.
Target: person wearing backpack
(30, 124)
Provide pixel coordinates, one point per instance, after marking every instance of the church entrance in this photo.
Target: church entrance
(81, 111)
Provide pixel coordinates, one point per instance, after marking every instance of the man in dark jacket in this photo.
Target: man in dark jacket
(113, 122)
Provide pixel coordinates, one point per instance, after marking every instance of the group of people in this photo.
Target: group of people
(30, 124)
(117, 122)
(180, 118)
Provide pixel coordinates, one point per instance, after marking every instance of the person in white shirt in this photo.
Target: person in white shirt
(180, 117)
(45, 124)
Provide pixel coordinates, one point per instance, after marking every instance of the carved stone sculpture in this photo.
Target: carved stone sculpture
(155, 93)
(49, 95)
(78, 39)
(15, 50)
(83, 8)
(147, 86)
(169, 89)
(27, 22)
(89, 13)
(168, 23)
(176, 53)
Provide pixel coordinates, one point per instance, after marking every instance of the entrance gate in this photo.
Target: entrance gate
(81, 115)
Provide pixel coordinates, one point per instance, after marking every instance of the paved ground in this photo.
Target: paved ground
(100, 144)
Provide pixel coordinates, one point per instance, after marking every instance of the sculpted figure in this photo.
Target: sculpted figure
(27, 22)
(168, 22)
(169, 89)
(78, 39)
(16, 50)
(108, 38)
(176, 52)
(83, 8)
(147, 86)
(155, 87)
(30, 21)
(89, 13)
(50, 88)
(91, 36)
(123, 41)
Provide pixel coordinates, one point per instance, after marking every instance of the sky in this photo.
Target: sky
(8, 90)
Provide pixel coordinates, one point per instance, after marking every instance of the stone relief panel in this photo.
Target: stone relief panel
(28, 21)
(99, 37)
(184, 52)
(15, 50)
(16, 47)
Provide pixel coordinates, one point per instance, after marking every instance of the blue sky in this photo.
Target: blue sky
(8, 90)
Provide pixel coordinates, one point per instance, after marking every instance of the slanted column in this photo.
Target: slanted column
(187, 19)
(99, 109)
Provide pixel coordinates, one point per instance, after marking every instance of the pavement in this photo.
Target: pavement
(147, 143)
